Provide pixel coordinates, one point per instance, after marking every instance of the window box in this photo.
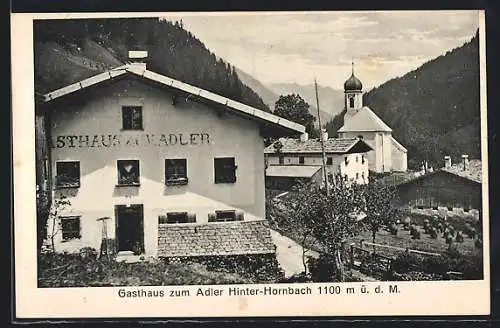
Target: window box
(176, 172)
(225, 216)
(68, 174)
(177, 217)
(225, 170)
(128, 173)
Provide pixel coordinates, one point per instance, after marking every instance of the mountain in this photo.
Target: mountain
(433, 110)
(331, 101)
(70, 50)
(265, 93)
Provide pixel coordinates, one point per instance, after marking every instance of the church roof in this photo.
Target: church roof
(363, 120)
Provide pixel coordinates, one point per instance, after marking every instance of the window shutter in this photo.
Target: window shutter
(239, 215)
(191, 217)
(212, 217)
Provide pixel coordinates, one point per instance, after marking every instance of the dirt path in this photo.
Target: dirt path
(289, 254)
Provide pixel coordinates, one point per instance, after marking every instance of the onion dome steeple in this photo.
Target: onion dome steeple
(353, 83)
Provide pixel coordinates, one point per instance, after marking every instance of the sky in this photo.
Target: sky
(298, 47)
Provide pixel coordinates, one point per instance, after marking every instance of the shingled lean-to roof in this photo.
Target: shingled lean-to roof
(139, 71)
(295, 171)
(212, 239)
(313, 146)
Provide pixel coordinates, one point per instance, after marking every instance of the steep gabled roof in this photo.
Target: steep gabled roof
(363, 120)
(313, 146)
(142, 72)
(292, 171)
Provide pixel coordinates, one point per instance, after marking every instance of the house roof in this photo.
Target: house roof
(292, 171)
(313, 146)
(363, 120)
(218, 238)
(142, 72)
(474, 173)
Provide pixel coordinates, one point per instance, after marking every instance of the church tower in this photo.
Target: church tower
(353, 92)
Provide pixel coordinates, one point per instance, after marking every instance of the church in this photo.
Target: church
(388, 155)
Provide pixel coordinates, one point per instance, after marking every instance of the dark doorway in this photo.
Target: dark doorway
(130, 228)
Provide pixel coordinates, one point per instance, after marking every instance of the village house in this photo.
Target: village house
(161, 167)
(289, 161)
(388, 155)
(454, 188)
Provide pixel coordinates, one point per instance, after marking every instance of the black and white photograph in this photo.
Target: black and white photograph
(300, 152)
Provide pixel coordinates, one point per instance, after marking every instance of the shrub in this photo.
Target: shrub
(322, 269)
(433, 233)
(405, 262)
(299, 277)
(436, 264)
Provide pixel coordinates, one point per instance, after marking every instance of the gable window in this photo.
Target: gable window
(225, 170)
(224, 216)
(329, 161)
(177, 217)
(128, 172)
(351, 102)
(68, 174)
(176, 171)
(301, 159)
(70, 227)
(132, 118)
(281, 160)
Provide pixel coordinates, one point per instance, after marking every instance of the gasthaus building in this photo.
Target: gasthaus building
(161, 167)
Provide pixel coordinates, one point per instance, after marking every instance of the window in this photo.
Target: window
(281, 160)
(362, 159)
(70, 227)
(301, 159)
(345, 177)
(329, 161)
(357, 159)
(132, 118)
(225, 170)
(224, 216)
(176, 171)
(128, 172)
(357, 175)
(346, 161)
(351, 102)
(177, 217)
(363, 175)
(68, 174)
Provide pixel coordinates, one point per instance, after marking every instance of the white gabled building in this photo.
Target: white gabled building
(289, 160)
(360, 121)
(167, 168)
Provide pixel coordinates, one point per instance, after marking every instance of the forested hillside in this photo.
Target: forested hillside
(433, 110)
(69, 50)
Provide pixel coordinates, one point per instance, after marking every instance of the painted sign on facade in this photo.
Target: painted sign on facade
(118, 140)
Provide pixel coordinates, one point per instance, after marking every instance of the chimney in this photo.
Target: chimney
(324, 135)
(304, 137)
(465, 162)
(447, 162)
(138, 58)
